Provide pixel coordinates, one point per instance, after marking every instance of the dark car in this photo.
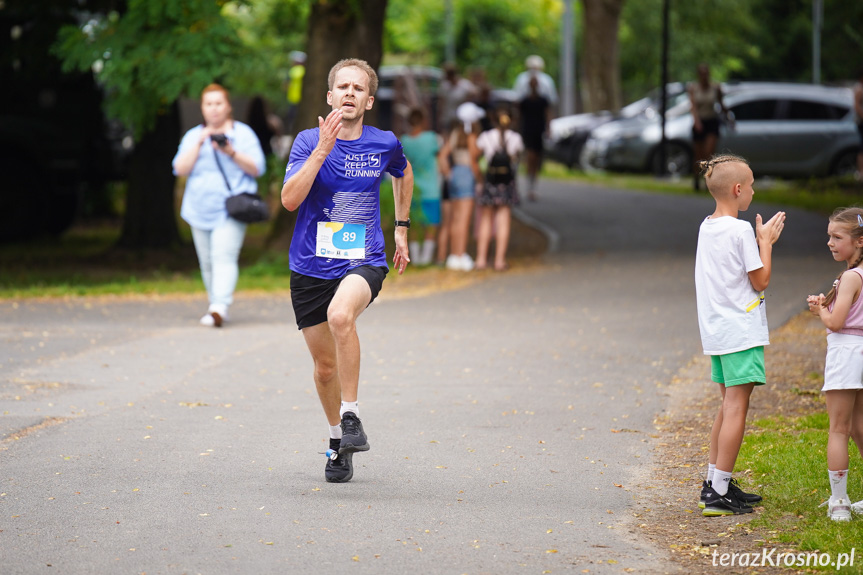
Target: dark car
(569, 133)
(404, 83)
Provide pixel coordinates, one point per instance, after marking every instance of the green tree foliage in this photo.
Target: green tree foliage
(716, 32)
(157, 51)
(269, 31)
(785, 41)
(740, 39)
(495, 35)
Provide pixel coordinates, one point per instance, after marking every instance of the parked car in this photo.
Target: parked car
(423, 79)
(789, 130)
(424, 83)
(568, 134)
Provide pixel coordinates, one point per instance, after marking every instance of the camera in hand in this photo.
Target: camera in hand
(220, 139)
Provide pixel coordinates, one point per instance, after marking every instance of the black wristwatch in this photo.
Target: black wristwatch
(403, 223)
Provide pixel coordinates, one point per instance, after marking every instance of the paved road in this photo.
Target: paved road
(510, 421)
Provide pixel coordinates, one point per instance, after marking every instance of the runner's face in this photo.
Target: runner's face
(350, 93)
(843, 247)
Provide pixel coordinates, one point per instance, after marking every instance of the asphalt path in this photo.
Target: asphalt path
(511, 422)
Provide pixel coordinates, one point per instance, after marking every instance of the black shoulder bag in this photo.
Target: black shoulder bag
(246, 207)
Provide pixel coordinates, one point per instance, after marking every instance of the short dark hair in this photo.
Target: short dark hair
(416, 117)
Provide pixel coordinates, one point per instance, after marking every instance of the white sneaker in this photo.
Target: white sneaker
(453, 262)
(415, 253)
(428, 251)
(466, 263)
(215, 316)
(838, 509)
(857, 507)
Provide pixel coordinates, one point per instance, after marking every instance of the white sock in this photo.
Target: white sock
(350, 406)
(428, 251)
(721, 481)
(335, 432)
(414, 251)
(839, 484)
(711, 470)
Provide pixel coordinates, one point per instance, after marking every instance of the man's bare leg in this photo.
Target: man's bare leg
(323, 349)
(351, 299)
(320, 342)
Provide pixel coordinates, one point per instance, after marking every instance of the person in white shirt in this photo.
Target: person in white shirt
(732, 270)
(453, 91)
(501, 148)
(546, 87)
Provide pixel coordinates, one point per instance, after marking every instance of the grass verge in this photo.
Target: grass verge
(84, 262)
(790, 456)
(783, 458)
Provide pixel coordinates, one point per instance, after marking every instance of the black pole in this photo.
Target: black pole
(662, 169)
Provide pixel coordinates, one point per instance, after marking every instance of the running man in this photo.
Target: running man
(338, 263)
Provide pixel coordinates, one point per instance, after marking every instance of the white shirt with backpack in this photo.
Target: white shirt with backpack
(489, 142)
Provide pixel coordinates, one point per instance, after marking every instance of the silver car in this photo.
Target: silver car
(791, 130)
(568, 134)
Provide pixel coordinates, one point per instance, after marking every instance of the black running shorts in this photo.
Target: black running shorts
(311, 296)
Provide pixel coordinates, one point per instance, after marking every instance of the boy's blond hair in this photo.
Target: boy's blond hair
(721, 172)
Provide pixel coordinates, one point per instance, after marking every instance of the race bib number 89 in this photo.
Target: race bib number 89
(341, 241)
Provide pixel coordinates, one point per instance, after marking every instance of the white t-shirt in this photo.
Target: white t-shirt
(731, 314)
(545, 86)
(489, 142)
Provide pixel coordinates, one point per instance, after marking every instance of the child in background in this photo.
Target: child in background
(732, 270)
(841, 311)
(458, 161)
(421, 147)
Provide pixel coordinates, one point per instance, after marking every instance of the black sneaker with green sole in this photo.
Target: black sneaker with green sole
(750, 498)
(716, 505)
(340, 469)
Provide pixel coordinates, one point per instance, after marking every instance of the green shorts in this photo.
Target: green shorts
(739, 368)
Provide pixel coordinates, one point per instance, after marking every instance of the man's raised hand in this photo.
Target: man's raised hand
(329, 130)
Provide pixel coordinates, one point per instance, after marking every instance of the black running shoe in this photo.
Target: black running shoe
(353, 436)
(718, 505)
(750, 498)
(702, 501)
(340, 469)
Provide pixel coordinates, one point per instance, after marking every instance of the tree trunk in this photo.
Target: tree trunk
(150, 219)
(337, 30)
(601, 62)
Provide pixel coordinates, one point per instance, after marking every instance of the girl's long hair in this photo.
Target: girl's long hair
(852, 220)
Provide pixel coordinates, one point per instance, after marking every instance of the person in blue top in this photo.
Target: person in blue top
(337, 258)
(220, 158)
(421, 146)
